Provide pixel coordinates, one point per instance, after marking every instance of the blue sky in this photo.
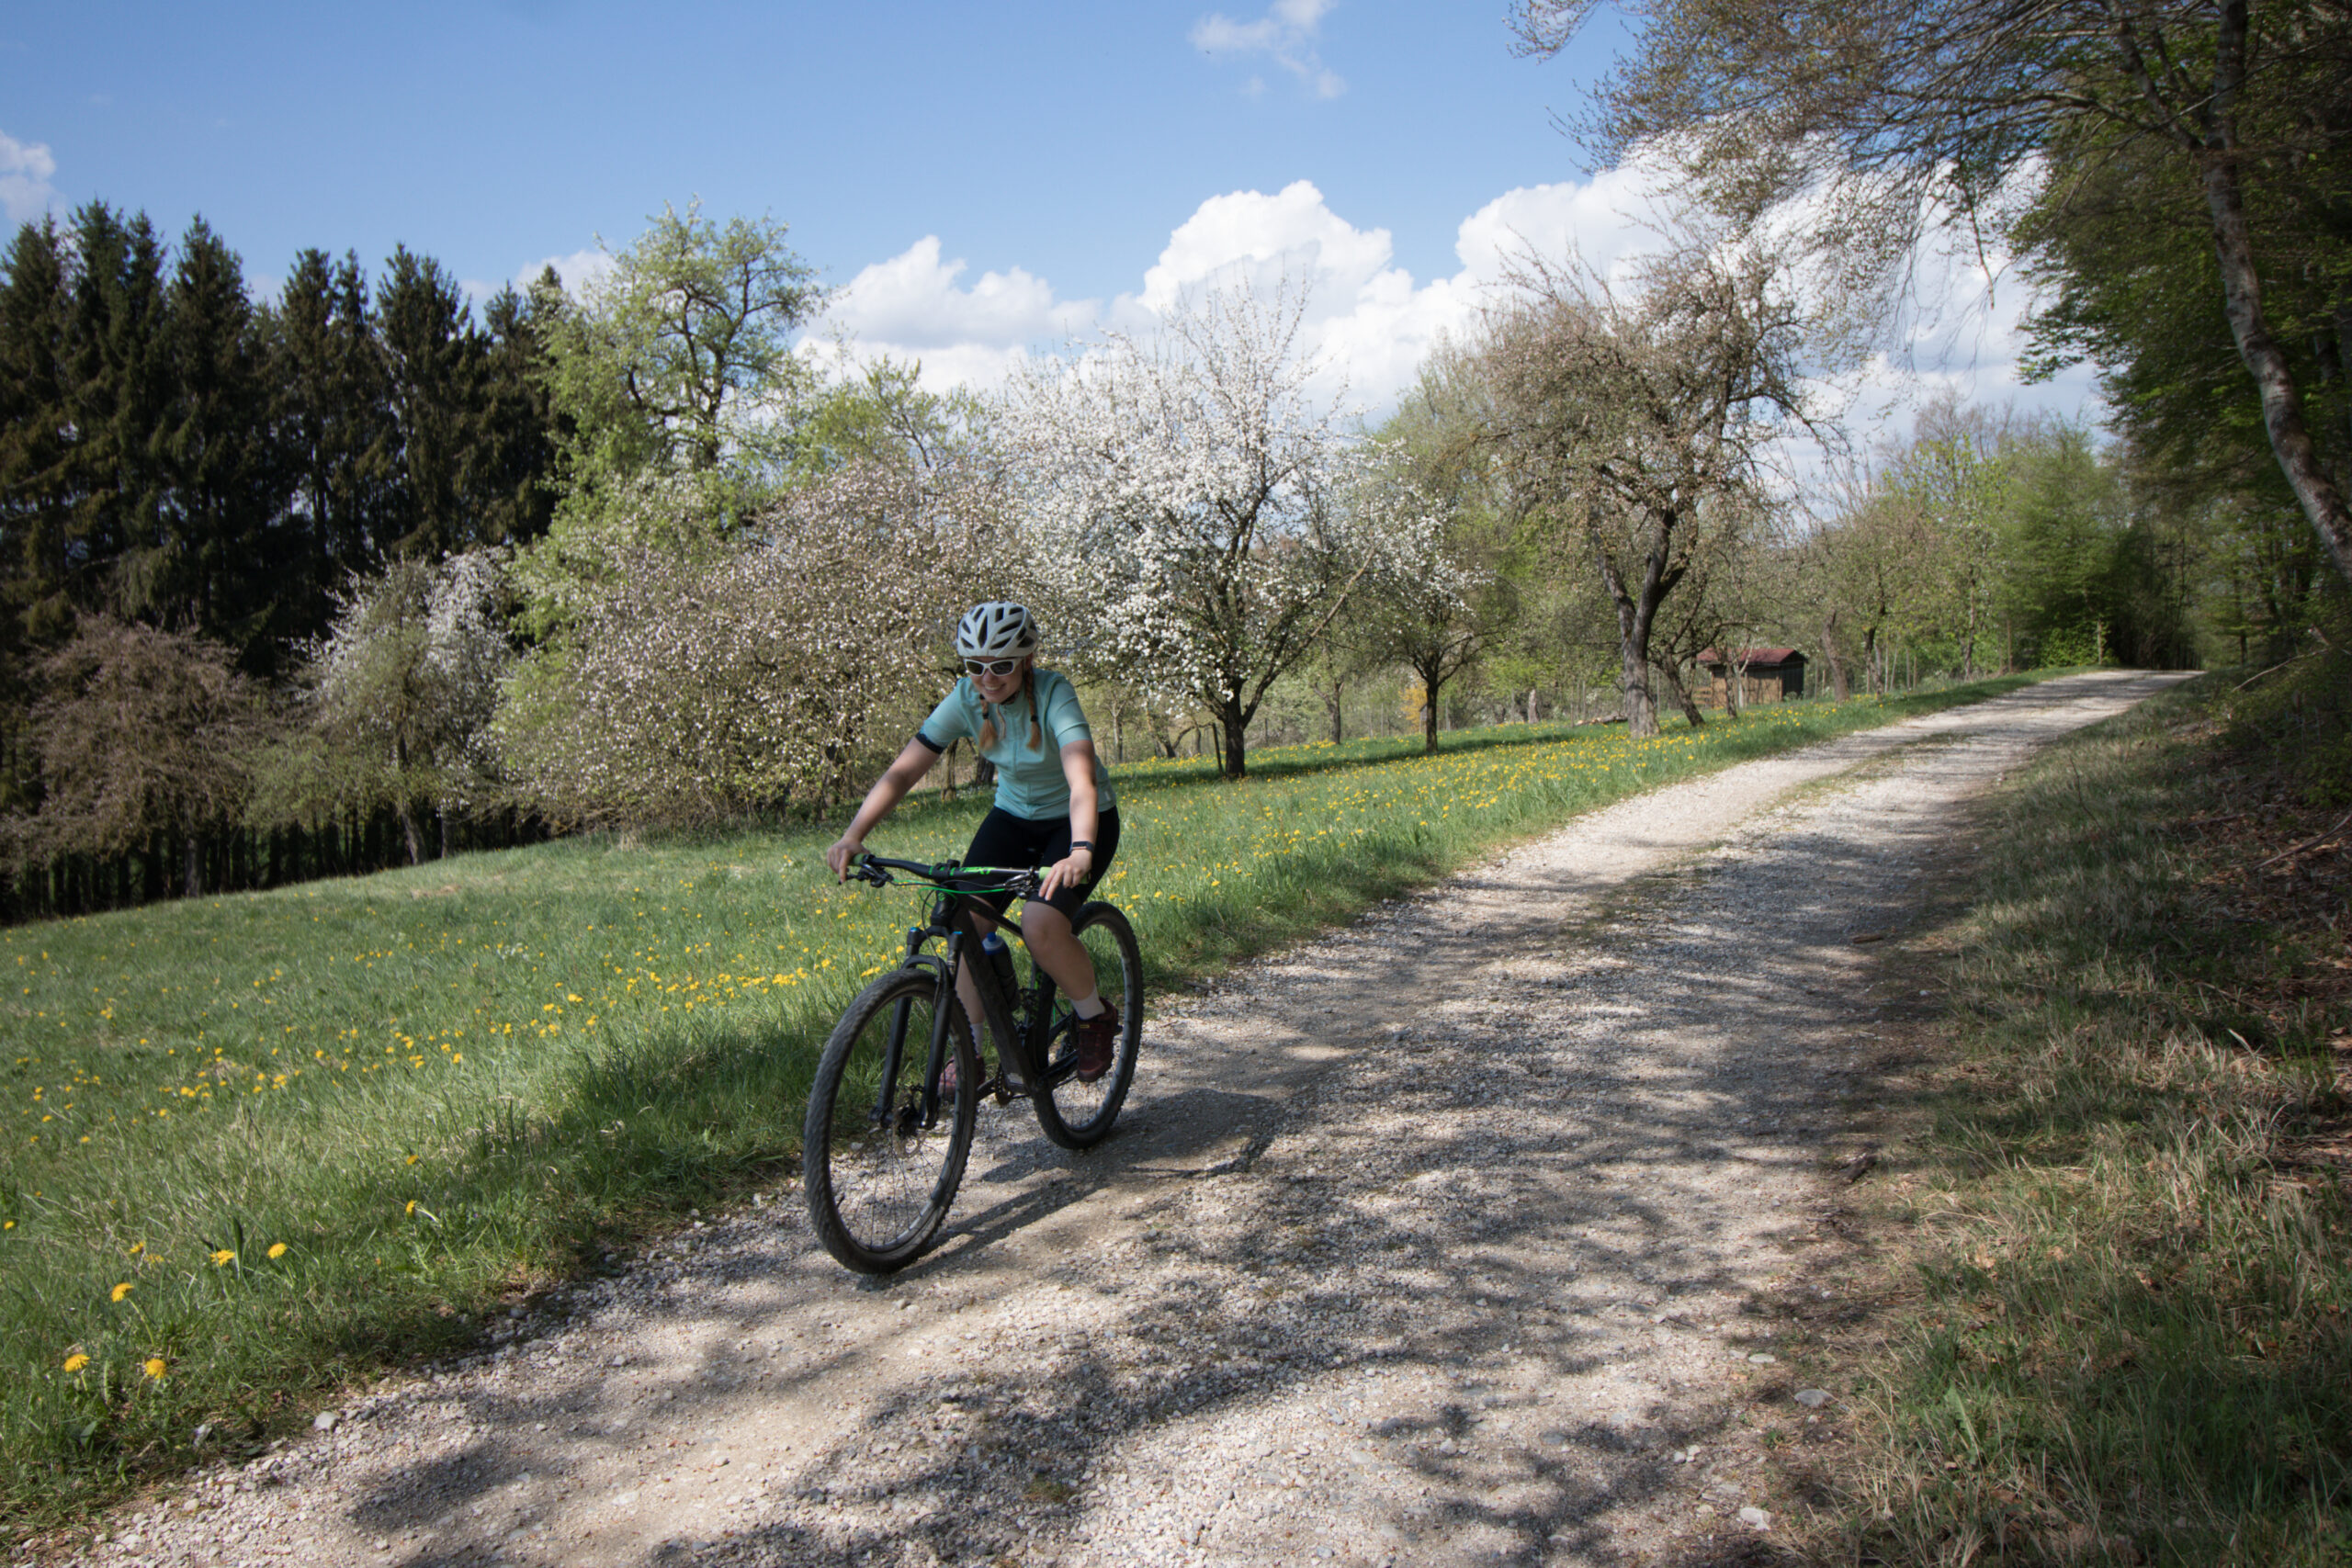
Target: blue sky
(985, 178)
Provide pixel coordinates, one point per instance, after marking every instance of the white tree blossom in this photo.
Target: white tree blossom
(701, 688)
(405, 683)
(1176, 503)
(1426, 599)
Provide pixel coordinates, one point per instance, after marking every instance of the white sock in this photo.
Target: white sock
(1088, 1005)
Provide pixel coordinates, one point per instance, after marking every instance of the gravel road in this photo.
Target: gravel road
(1436, 1240)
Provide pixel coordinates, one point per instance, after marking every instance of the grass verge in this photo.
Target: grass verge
(2133, 1307)
(261, 1147)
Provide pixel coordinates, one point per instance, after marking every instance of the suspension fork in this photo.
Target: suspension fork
(884, 1112)
(943, 1004)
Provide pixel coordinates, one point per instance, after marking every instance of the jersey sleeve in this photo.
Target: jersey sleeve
(1063, 718)
(949, 722)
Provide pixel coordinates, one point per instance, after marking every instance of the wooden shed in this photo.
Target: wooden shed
(1770, 675)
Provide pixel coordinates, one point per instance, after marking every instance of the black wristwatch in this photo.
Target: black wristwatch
(1087, 844)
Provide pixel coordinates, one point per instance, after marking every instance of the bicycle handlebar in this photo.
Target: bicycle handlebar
(875, 870)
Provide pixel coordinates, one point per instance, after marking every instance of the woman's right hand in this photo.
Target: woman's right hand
(843, 850)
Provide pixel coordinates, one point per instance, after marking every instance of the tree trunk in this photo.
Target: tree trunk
(408, 829)
(1429, 714)
(1633, 650)
(2282, 403)
(1338, 728)
(1839, 690)
(1636, 614)
(1681, 695)
(192, 866)
(1640, 707)
(1232, 757)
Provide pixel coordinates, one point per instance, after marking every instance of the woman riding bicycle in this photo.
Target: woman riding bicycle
(1054, 806)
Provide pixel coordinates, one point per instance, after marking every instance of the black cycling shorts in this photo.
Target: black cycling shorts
(1021, 844)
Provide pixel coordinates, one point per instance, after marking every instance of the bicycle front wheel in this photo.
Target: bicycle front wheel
(879, 1167)
(1074, 1113)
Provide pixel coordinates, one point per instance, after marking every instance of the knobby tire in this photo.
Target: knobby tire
(1079, 1115)
(877, 1193)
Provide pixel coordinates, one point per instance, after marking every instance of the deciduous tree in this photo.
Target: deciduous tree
(677, 394)
(401, 691)
(142, 732)
(1888, 117)
(1176, 495)
(1632, 421)
(697, 688)
(1426, 509)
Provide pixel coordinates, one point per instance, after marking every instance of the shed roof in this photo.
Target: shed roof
(1752, 657)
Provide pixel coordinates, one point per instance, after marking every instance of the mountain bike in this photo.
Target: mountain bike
(890, 1124)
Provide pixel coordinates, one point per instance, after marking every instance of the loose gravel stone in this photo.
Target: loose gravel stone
(1432, 1241)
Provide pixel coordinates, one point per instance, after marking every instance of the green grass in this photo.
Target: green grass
(2135, 1342)
(267, 1146)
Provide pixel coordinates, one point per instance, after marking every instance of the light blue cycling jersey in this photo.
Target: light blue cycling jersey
(1030, 783)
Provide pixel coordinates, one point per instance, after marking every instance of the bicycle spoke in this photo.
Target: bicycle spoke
(880, 1173)
(1074, 1113)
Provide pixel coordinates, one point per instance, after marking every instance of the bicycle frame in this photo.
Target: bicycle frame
(1030, 1037)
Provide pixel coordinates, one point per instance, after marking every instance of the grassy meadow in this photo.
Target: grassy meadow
(259, 1147)
(2132, 1341)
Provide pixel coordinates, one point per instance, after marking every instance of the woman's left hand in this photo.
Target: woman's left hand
(1067, 872)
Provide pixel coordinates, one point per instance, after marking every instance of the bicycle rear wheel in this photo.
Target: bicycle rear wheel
(1079, 1115)
(880, 1175)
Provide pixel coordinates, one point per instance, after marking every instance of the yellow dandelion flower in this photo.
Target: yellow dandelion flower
(77, 1361)
(223, 1258)
(413, 1158)
(122, 1290)
(411, 1207)
(154, 1367)
(137, 1247)
(277, 1250)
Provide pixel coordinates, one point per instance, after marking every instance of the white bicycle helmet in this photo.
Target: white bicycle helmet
(998, 629)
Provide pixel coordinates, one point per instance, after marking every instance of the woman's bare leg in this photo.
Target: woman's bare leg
(1056, 948)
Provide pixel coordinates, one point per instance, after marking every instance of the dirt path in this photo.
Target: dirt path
(1426, 1243)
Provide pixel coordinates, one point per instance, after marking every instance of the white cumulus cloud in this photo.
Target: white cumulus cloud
(914, 306)
(1369, 320)
(573, 271)
(1372, 322)
(1286, 34)
(577, 270)
(912, 299)
(25, 169)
